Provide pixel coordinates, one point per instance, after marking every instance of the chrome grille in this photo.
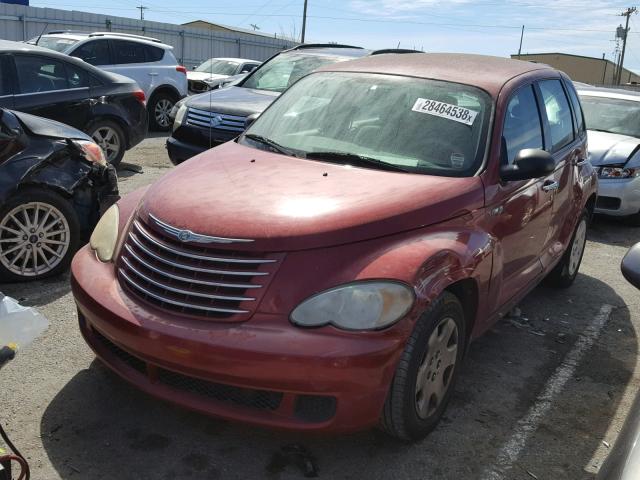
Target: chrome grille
(220, 121)
(192, 279)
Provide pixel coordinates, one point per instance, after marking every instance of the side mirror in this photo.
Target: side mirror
(631, 266)
(529, 163)
(250, 119)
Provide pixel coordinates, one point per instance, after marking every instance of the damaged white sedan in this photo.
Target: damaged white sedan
(613, 123)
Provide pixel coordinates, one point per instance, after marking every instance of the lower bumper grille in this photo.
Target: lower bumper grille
(608, 203)
(244, 397)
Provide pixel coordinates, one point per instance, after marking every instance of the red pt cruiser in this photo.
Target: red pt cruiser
(327, 269)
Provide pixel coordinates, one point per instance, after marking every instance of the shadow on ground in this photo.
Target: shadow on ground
(99, 427)
(613, 231)
(41, 292)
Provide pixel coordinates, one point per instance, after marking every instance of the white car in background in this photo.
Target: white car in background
(613, 124)
(212, 73)
(148, 61)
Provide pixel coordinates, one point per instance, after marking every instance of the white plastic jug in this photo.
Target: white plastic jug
(19, 326)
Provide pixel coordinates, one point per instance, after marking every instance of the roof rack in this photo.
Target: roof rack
(323, 45)
(125, 35)
(54, 32)
(395, 50)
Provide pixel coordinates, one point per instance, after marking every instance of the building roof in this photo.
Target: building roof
(489, 73)
(233, 29)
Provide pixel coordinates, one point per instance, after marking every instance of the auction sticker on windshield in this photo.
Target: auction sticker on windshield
(445, 110)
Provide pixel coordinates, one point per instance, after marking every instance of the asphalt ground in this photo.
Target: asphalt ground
(542, 395)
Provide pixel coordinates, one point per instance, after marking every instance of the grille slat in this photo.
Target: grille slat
(196, 256)
(189, 277)
(220, 121)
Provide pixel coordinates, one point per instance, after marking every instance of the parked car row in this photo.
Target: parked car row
(215, 72)
(209, 119)
(148, 61)
(108, 107)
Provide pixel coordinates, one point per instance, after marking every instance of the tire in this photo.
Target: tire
(110, 136)
(63, 240)
(401, 416)
(159, 109)
(566, 271)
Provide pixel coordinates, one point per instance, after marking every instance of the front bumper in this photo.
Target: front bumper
(180, 151)
(263, 371)
(618, 197)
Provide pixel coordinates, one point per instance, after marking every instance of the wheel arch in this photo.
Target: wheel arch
(591, 204)
(169, 89)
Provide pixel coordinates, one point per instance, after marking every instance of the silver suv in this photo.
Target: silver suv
(148, 61)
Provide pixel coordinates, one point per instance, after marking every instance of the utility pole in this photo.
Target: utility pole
(521, 37)
(304, 22)
(627, 13)
(142, 8)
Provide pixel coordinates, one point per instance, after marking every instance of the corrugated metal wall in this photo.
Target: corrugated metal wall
(191, 45)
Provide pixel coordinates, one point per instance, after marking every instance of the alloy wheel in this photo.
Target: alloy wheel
(579, 242)
(34, 239)
(162, 110)
(437, 367)
(109, 141)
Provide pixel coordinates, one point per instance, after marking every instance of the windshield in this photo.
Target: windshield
(418, 125)
(614, 115)
(59, 44)
(218, 67)
(287, 68)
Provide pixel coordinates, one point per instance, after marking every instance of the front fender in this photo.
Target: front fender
(428, 260)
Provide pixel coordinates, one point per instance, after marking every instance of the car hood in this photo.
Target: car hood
(49, 128)
(233, 101)
(611, 148)
(286, 204)
(205, 76)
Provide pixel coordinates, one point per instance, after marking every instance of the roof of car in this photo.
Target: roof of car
(113, 35)
(335, 50)
(619, 93)
(231, 59)
(9, 46)
(486, 72)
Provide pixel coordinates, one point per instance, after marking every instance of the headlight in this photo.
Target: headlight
(619, 172)
(366, 305)
(105, 236)
(92, 151)
(182, 111)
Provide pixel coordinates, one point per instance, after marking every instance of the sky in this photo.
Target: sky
(489, 27)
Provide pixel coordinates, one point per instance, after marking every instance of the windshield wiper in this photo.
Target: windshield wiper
(352, 158)
(270, 143)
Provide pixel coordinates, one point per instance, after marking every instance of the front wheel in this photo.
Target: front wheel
(111, 139)
(564, 274)
(427, 371)
(39, 233)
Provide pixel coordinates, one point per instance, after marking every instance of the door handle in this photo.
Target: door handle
(550, 186)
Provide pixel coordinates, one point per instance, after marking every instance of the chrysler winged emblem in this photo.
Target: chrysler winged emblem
(188, 236)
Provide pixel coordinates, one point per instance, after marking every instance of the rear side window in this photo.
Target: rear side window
(248, 67)
(153, 54)
(577, 108)
(77, 77)
(522, 127)
(558, 113)
(40, 74)
(95, 52)
(128, 52)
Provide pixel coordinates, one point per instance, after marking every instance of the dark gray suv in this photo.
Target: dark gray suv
(209, 119)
